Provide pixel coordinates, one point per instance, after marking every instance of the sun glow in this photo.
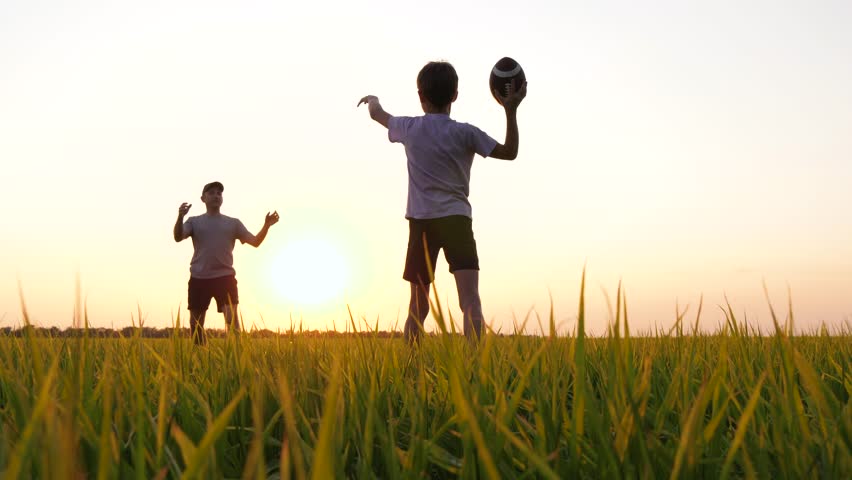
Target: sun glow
(309, 271)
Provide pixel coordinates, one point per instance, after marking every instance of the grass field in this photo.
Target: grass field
(673, 405)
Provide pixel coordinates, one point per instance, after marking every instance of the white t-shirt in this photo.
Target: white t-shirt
(213, 238)
(440, 153)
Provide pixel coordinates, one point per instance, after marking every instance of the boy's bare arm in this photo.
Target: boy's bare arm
(377, 113)
(271, 219)
(178, 230)
(509, 149)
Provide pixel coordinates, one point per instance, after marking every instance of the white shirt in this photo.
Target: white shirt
(440, 153)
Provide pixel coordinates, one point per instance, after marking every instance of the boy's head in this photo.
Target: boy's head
(437, 84)
(211, 194)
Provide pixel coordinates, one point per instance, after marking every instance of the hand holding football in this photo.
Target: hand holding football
(505, 74)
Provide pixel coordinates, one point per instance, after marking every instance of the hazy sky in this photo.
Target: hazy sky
(686, 148)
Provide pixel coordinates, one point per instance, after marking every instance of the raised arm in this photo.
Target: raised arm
(377, 113)
(178, 230)
(509, 149)
(271, 219)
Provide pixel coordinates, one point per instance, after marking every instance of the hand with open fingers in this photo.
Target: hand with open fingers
(271, 218)
(184, 208)
(513, 97)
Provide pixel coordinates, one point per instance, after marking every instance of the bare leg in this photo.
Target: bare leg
(418, 308)
(196, 326)
(232, 319)
(467, 283)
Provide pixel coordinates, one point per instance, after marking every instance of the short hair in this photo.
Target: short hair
(438, 82)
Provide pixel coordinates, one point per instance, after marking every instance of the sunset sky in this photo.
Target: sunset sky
(686, 148)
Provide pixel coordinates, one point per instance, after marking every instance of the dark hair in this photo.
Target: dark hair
(438, 82)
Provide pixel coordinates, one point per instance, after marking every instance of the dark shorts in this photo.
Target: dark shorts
(223, 289)
(454, 234)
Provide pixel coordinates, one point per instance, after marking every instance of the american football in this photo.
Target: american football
(505, 73)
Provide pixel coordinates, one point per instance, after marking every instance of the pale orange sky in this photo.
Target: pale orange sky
(685, 148)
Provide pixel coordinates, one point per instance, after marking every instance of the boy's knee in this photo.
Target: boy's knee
(470, 302)
(196, 318)
(419, 302)
(419, 308)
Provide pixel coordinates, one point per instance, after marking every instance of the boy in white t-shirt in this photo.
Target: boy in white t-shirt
(212, 273)
(440, 152)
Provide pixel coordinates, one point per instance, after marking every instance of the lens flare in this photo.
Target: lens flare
(309, 271)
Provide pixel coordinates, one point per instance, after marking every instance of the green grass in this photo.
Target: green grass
(727, 405)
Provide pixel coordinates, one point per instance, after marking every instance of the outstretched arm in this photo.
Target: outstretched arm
(509, 149)
(271, 219)
(377, 113)
(178, 230)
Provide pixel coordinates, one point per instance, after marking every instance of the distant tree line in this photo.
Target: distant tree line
(168, 332)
